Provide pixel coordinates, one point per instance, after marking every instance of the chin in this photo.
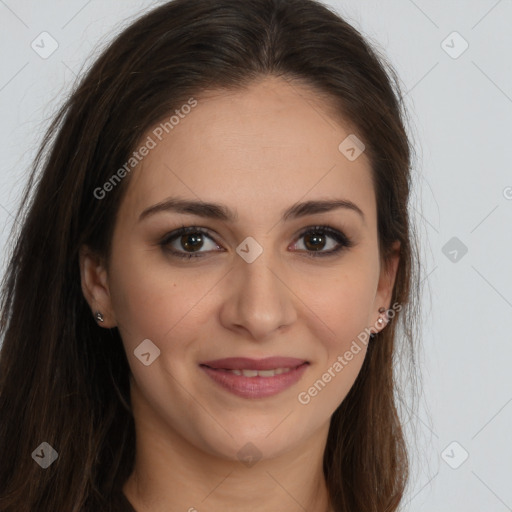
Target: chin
(252, 438)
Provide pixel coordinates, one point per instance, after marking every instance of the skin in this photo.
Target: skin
(258, 151)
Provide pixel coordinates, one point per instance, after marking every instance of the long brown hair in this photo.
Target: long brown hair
(63, 379)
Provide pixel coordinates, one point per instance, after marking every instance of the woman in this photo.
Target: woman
(201, 306)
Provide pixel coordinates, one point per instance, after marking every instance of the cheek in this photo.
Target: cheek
(341, 315)
(150, 301)
(340, 308)
(338, 314)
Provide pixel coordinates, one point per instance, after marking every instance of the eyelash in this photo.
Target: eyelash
(338, 236)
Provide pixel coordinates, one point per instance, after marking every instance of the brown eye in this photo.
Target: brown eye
(186, 241)
(191, 241)
(316, 238)
(314, 241)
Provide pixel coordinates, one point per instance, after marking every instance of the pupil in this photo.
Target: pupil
(191, 241)
(316, 239)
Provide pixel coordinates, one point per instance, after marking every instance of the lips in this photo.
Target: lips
(245, 363)
(255, 378)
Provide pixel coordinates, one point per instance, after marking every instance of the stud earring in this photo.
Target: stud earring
(379, 321)
(381, 310)
(99, 317)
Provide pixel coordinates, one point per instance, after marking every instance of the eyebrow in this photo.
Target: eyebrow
(223, 213)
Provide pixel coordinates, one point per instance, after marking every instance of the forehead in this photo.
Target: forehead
(257, 150)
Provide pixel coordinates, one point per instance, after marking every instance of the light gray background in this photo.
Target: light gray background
(461, 111)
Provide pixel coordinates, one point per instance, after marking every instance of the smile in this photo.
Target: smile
(259, 373)
(252, 378)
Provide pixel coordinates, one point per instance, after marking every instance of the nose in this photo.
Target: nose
(260, 300)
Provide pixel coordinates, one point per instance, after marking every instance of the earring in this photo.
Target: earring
(99, 317)
(379, 321)
(381, 310)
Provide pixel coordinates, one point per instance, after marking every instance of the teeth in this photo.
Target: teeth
(260, 373)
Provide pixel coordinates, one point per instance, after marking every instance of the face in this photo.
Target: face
(256, 277)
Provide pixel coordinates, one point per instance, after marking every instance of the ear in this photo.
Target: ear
(94, 280)
(386, 282)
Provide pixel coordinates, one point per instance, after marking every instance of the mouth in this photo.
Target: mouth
(255, 378)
